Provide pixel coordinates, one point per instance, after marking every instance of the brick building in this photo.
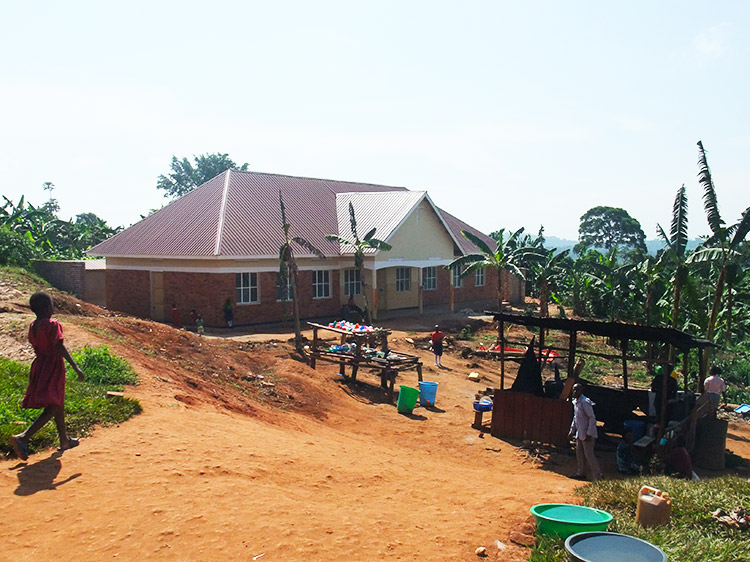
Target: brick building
(221, 241)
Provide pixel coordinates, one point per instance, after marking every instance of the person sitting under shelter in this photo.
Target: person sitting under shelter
(626, 463)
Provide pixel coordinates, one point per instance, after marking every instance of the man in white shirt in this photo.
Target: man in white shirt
(714, 387)
(583, 429)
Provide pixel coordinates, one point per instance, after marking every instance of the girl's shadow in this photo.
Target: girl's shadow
(33, 478)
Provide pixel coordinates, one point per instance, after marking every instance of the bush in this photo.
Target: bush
(15, 249)
(103, 368)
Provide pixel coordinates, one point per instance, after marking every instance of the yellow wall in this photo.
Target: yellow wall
(390, 298)
(422, 236)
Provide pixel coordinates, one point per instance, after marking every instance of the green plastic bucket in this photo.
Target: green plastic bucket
(564, 520)
(407, 399)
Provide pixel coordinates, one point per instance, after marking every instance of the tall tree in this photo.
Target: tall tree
(288, 268)
(610, 227)
(507, 256)
(186, 176)
(359, 246)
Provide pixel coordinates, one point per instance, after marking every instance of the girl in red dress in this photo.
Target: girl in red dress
(47, 378)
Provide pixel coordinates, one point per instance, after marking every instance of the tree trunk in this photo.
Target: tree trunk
(728, 334)
(500, 289)
(368, 314)
(714, 315)
(675, 313)
(295, 305)
(544, 299)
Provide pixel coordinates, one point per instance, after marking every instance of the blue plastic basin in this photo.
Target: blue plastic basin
(611, 547)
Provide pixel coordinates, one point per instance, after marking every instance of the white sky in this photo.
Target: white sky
(508, 113)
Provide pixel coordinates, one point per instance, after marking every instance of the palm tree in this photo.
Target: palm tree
(507, 255)
(722, 248)
(288, 268)
(359, 246)
(676, 250)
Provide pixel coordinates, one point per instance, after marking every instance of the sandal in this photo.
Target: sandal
(20, 448)
(72, 443)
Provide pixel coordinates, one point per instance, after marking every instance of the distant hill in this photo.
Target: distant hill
(653, 246)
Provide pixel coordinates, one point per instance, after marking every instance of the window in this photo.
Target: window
(429, 278)
(352, 285)
(479, 277)
(247, 287)
(283, 288)
(457, 281)
(403, 279)
(321, 284)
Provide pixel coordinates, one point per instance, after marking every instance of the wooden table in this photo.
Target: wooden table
(388, 366)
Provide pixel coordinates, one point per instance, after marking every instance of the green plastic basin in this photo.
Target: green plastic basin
(563, 519)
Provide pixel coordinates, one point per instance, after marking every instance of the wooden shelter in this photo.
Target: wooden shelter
(547, 420)
(625, 333)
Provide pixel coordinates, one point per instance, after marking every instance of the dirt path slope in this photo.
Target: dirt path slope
(321, 473)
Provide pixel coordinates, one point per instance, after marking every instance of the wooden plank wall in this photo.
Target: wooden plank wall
(521, 416)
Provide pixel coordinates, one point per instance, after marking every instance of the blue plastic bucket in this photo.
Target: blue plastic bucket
(638, 428)
(427, 392)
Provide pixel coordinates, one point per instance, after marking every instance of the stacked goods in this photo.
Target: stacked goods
(350, 326)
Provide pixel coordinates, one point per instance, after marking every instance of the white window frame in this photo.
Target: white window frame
(479, 278)
(403, 279)
(429, 278)
(352, 282)
(246, 285)
(280, 290)
(457, 281)
(321, 281)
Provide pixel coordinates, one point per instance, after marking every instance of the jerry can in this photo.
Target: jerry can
(654, 507)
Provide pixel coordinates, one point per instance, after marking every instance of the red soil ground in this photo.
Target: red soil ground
(220, 467)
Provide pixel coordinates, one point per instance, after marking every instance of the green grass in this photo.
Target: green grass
(86, 404)
(691, 534)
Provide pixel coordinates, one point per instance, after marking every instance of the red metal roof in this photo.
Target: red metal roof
(237, 215)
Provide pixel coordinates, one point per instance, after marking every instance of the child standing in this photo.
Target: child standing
(199, 324)
(437, 345)
(47, 377)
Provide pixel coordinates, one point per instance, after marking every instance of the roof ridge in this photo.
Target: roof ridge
(318, 179)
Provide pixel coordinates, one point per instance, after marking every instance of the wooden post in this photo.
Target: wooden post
(419, 371)
(420, 291)
(541, 342)
(572, 354)
(501, 338)
(685, 367)
(314, 348)
(625, 364)
(701, 369)
(451, 297)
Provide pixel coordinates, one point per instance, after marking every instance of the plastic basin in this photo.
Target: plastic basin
(611, 547)
(563, 519)
(407, 399)
(427, 393)
(483, 406)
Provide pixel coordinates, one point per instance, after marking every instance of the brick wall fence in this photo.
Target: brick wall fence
(75, 277)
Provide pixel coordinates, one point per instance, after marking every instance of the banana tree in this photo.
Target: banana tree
(548, 270)
(288, 273)
(507, 255)
(359, 246)
(722, 247)
(676, 254)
